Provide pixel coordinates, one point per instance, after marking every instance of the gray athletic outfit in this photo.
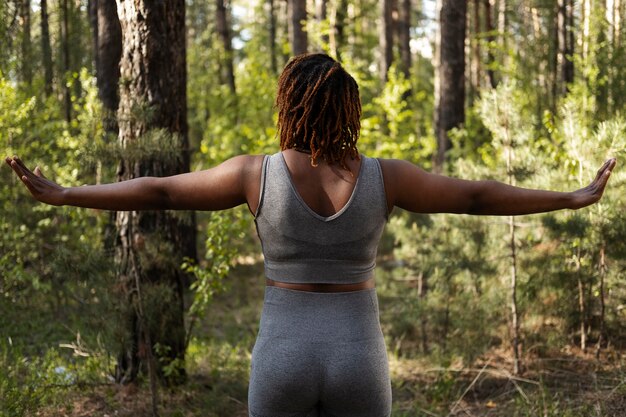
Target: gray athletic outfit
(319, 354)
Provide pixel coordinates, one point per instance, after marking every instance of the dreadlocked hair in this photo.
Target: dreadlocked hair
(319, 109)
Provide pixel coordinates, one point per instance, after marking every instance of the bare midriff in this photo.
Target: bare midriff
(323, 287)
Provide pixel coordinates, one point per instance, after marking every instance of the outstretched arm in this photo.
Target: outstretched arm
(414, 189)
(234, 182)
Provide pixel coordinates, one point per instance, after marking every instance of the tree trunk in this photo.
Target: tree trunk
(565, 65)
(422, 290)
(543, 72)
(385, 39)
(571, 43)
(46, 50)
(223, 28)
(585, 18)
(476, 70)
(617, 23)
(337, 22)
(404, 36)
(65, 48)
(321, 13)
(515, 327)
(26, 64)
(107, 47)
(613, 48)
(450, 111)
(502, 32)
(272, 36)
(107, 53)
(602, 267)
(514, 310)
(446, 316)
(581, 303)
(297, 23)
(92, 14)
(490, 38)
(150, 245)
(436, 62)
(602, 62)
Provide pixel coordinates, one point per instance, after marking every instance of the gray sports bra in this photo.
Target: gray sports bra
(300, 246)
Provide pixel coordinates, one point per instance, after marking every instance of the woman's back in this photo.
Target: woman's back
(325, 188)
(301, 245)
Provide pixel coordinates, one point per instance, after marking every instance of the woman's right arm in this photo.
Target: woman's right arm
(234, 182)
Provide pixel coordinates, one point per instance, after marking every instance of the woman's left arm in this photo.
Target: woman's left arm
(411, 188)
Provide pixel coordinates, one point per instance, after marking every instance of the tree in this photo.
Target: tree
(321, 14)
(475, 68)
(65, 49)
(386, 38)
(223, 28)
(150, 245)
(404, 36)
(272, 36)
(337, 23)
(503, 116)
(107, 52)
(46, 50)
(297, 22)
(27, 72)
(450, 97)
(565, 39)
(490, 38)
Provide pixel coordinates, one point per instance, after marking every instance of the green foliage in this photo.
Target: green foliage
(388, 126)
(24, 382)
(28, 383)
(30, 128)
(52, 259)
(223, 230)
(172, 369)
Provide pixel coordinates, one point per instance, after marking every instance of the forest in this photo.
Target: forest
(156, 313)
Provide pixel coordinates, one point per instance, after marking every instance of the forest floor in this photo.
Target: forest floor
(566, 383)
(569, 386)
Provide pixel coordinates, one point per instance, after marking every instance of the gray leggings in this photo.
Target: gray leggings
(319, 354)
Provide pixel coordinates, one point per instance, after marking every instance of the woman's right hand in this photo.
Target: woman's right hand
(593, 192)
(39, 186)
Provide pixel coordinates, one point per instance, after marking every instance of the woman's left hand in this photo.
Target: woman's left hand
(39, 186)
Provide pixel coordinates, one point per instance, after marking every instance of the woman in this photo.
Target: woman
(320, 208)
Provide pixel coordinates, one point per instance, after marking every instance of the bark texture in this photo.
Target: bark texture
(404, 36)
(338, 23)
(150, 245)
(450, 110)
(107, 54)
(223, 28)
(490, 38)
(385, 39)
(297, 20)
(65, 48)
(565, 39)
(26, 64)
(321, 13)
(46, 50)
(476, 57)
(272, 36)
